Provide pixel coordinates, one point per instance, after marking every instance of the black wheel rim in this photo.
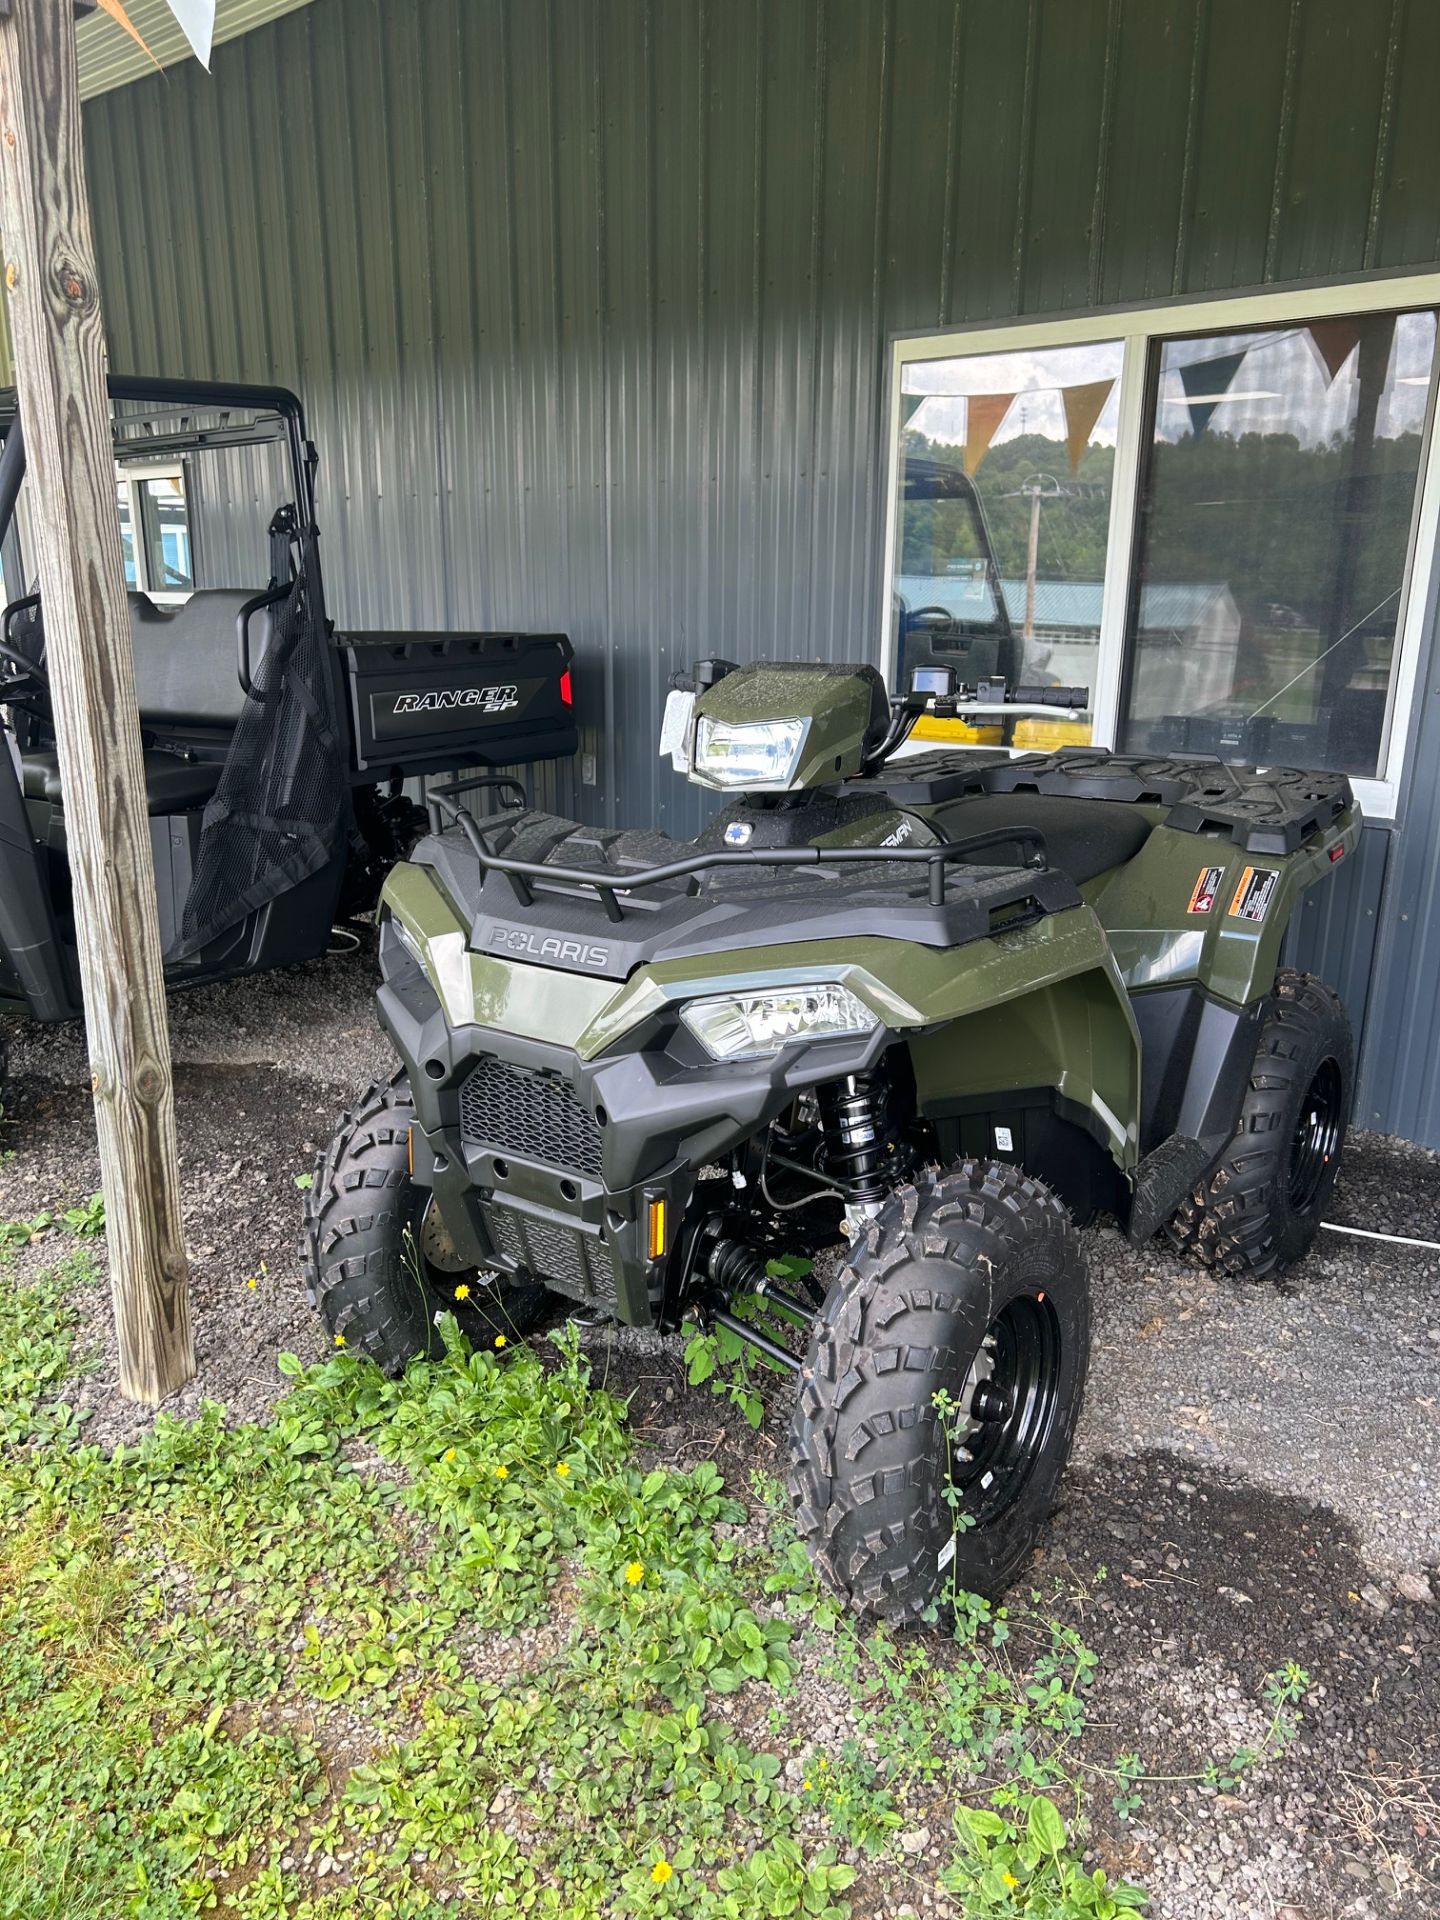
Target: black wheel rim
(1008, 1416)
(1317, 1134)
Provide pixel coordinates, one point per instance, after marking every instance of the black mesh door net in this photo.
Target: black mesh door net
(281, 810)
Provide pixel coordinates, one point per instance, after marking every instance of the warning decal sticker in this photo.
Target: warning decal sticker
(1252, 896)
(1206, 888)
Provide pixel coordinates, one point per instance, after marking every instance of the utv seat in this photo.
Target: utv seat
(1083, 837)
(187, 683)
(186, 658)
(173, 784)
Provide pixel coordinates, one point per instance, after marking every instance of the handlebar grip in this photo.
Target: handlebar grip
(1051, 696)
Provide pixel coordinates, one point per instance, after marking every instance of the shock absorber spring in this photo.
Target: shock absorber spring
(852, 1112)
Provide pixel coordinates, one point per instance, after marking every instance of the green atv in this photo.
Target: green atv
(937, 1008)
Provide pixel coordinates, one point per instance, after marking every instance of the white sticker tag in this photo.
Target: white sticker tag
(675, 729)
(947, 1554)
(1004, 1140)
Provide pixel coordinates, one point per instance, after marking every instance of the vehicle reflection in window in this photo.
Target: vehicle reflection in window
(1003, 519)
(1276, 512)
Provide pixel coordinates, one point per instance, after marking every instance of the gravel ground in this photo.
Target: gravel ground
(1258, 1467)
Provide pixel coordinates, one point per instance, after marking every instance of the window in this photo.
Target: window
(1211, 516)
(155, 529)
(127, 533)
(1006, 464)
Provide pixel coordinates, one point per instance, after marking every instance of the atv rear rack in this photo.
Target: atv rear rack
(529, 877)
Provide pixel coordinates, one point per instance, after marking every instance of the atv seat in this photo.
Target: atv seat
(1083, 837)
(173, 784)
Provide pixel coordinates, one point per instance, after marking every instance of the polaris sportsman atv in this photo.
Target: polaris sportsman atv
(274, 748)
(940, 1009)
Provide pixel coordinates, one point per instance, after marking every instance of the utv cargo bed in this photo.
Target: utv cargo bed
(436, 701)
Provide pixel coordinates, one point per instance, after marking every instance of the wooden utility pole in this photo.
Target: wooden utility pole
(59, 345)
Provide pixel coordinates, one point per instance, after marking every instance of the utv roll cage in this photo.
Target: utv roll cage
(276, 749)
(164, 397)
(279, 416)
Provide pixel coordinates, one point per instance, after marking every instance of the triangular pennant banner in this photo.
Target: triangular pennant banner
(195, 18)
(1205, 383)
(983, 415)
(118, 14)
(1083, 407)
(1334, 341)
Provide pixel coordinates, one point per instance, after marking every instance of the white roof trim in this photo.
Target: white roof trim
(110, 58)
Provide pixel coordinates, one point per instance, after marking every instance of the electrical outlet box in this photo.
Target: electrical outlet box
(587, 769)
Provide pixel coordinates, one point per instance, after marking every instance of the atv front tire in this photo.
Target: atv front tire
(1262, 1205)
(366, 1270)
(969, 1285)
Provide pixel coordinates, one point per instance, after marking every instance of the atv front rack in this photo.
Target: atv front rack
(529, 877)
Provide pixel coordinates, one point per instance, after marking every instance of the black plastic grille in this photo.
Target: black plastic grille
(575, 1264)
(513, 1110)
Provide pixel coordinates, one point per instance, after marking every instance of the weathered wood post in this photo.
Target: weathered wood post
(59, 347)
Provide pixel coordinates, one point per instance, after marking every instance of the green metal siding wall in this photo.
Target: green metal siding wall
(589, 298)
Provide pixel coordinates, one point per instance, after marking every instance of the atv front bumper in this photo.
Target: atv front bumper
(548, 1163)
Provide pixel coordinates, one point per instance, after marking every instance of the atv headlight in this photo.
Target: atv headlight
(764, 753)
(746, 1026)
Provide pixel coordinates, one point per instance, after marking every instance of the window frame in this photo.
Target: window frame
(1138, 328)
(131, 475)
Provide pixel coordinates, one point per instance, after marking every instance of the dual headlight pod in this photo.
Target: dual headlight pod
(758, 755)
(750, 1026)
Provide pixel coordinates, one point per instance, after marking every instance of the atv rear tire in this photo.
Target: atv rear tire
(969, 1284)
(364, 1268)
(1261, 1207)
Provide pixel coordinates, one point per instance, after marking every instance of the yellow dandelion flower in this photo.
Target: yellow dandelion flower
(449, 1454)
(824, 1764)
(462, 1292)
(562, 1467)
(661, 1872)
(339, 1339)
(252, 1281)
(1009, 1879)
(805, 1786)
(500, 1340)
(502, 1473)
(634, 1574)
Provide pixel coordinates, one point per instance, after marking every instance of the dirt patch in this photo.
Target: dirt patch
(1212, 1584)
(245, 1133)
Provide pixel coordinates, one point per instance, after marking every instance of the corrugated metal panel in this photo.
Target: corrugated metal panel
(1333, 934)
(110, 58)
(589, 298)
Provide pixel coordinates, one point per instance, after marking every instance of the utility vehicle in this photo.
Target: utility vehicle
(934, 1010)
(275, 748)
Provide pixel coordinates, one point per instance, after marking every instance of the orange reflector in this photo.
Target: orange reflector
(410, 1150)
(657, 1229)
